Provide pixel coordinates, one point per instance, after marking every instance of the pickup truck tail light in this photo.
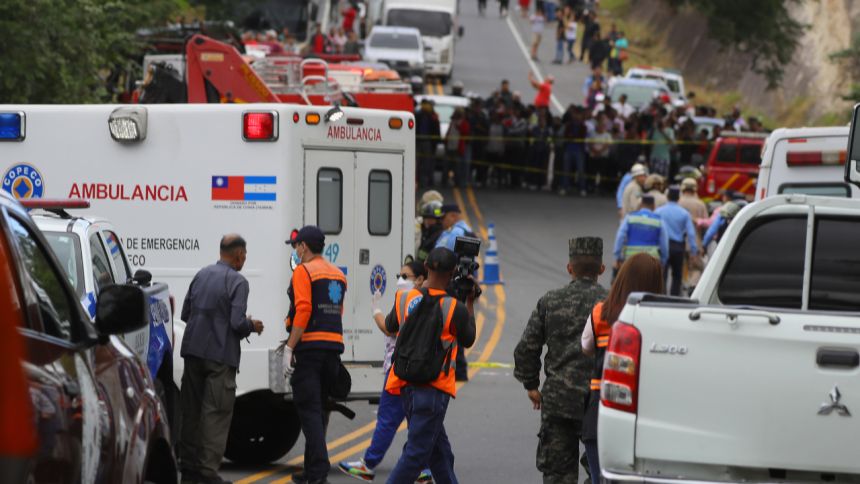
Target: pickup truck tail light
(620, 387)
(801, 158)
(712, 184)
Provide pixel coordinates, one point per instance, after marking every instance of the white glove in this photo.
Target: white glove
(288, 362)
(376, 303)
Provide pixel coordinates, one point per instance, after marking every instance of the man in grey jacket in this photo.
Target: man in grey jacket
(214, 310)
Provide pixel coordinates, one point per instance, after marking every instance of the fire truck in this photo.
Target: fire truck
(173, 179)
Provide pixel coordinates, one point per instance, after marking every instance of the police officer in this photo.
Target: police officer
(654, 186)
(698, 211)
(642, 231)
(679, 224)
(431, 228)
(558, 322)
(316, 340)
(634, 189)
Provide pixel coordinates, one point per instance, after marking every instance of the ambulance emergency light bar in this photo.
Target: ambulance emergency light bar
(128, 124)
(12, 126)
(56, 206)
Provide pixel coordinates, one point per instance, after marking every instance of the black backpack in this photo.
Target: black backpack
(419, 355)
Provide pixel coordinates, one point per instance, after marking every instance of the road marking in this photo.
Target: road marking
(471, 194)
(479, 325)
(490, 365)
(532, 64)
(439, 86)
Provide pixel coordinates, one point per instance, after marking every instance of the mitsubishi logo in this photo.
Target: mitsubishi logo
(828, 408)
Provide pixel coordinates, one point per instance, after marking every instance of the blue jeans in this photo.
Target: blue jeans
(388, 418)
(593, 461)
(570, 48)
(559, 50)
(549, 11)
(569, 158)
(427, 442)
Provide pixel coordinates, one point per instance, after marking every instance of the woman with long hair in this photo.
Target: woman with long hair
(640, 273)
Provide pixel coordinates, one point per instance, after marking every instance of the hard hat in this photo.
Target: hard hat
(689, 184)
(729, 210)
(457, 84)
(638, 170)
(429, 195)
(653, 180)
(689, 171)
(433, 209)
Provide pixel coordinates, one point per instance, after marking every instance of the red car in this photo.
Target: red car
(732, 165)
(93, 410)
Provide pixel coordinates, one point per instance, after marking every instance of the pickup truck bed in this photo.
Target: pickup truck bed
(756, 377)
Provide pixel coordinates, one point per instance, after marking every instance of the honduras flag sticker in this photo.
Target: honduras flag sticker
(244, 188)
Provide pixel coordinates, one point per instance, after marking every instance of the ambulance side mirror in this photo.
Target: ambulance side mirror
(852, 161)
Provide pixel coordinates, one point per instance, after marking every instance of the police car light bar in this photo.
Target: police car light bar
(12, 126)
(260, 126)
(128, 124)
(48, 203)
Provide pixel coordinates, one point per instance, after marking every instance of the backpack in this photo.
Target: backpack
(419, 355)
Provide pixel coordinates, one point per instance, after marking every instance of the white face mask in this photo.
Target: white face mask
(404, 284)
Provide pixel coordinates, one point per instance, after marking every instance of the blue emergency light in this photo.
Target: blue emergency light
(12, 126)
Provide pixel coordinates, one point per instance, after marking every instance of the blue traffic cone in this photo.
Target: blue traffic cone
(491, 259)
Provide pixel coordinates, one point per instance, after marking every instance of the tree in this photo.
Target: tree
(761, 28)
(58, 51)
(850, 59)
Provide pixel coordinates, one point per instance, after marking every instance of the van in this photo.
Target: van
(805, 160)
(437, 21)
(732, 165)
(400, 48)
(672, 79)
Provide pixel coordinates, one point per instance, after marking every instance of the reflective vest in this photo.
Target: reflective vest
(328, 288)
(643, 233)
(601, 331)
(404, 303)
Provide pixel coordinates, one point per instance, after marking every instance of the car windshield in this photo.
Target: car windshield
(672, 84)
(636, 95)
(430, 23)
(67, 247)
(392, 40)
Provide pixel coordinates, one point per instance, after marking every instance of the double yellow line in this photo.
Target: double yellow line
(434, 82)
(486, 353)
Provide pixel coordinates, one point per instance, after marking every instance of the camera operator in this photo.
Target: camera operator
(425, 396)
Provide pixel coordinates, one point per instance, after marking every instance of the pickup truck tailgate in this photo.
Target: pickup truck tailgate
(746, 392)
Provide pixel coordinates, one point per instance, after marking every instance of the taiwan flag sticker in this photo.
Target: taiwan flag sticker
(244, 188)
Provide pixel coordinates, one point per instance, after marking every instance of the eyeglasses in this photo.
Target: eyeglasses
(405, 276)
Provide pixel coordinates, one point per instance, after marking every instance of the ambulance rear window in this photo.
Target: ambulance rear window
(330, 200)
(379, 202)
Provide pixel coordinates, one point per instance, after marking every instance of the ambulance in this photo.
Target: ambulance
(805, 160)
(174, 179)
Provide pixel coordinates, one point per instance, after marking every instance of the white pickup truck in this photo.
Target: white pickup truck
(756, 377)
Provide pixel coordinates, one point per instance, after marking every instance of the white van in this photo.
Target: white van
(174, 178)
(437, 21)
(672, 79)
(805, 160)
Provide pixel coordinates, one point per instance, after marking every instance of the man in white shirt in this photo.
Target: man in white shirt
(538, 21)
(623, 109)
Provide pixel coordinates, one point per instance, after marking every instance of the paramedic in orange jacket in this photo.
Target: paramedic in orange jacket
(426, 405)
(312, 354)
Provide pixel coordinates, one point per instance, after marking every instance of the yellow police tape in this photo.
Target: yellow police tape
(512, 167)
(550, 139)
(490, 365)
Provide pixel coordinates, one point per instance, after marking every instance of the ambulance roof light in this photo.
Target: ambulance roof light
(128, 124)
(54, 203)
(333, 114)
(260, 126)
(12, 126)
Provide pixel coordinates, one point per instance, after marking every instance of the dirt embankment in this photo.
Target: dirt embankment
(811, 84)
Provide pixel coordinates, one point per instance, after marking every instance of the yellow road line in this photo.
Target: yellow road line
(474, 203)
(731, 180)
(463, 212)
(439, 86)
(429, 87)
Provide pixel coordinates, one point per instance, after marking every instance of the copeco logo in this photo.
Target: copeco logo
(378, 279)
(24, 181)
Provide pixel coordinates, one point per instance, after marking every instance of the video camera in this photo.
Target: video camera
(467, 249)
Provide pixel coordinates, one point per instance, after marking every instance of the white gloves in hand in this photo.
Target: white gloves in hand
(376, 303)
(288, 362)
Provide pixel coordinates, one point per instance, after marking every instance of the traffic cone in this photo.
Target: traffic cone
(491, 259)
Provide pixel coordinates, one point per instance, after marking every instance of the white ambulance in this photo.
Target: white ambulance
(805, 160)
(174, 179)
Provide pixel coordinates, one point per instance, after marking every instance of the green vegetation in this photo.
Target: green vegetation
(850, 59)
(761, 28)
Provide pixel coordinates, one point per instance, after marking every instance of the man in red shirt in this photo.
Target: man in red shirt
(544, 91)
(349, 14)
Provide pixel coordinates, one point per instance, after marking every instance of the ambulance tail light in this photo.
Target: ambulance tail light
(12, 126)
(395, 123)
(411, 123)
(49, 203)
(128, 124)
(296, 117)
(312, 118)
(806, 158)
(620, 386)
(260, 126)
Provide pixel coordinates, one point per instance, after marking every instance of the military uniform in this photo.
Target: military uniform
(558, 322)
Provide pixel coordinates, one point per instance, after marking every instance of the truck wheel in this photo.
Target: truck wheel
(264, 428)
(169, 396)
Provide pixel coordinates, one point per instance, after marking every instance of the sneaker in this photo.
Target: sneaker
(300, 477)
(425, 477)
(358, 470)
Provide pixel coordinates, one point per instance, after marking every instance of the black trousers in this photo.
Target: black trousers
(677, 252)
(315, 373)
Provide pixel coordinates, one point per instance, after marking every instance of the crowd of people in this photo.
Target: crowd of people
(342, 37)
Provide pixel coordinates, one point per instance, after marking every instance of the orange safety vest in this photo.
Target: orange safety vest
(601, 331)
(327, 289)
(404, 303)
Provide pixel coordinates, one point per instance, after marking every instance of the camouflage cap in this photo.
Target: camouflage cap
(586, 246)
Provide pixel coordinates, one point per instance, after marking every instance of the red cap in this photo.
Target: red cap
(666, 98)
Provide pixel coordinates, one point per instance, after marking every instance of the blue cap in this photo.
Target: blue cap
(450, 207)
(309, 234)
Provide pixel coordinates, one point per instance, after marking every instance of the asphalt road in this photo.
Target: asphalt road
(491, 424)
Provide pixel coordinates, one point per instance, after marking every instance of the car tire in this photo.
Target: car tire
(263, 429)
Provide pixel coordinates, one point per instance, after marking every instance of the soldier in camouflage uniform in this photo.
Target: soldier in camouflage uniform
(557, 322)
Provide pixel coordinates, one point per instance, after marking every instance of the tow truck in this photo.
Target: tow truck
(90, 251)
(173, 179)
